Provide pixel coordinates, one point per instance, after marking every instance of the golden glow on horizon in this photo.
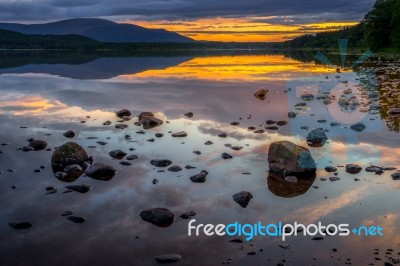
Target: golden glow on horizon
(248, 68)
(239, 29)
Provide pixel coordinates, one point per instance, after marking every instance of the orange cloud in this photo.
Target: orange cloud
(239, 29)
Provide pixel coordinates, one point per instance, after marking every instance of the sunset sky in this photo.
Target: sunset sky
(212, 20)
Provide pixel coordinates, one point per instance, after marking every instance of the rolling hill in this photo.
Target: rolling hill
(98, 29)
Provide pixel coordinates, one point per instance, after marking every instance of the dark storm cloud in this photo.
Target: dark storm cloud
(307, 10)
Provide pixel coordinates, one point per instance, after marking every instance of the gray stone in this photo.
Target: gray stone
(161, 217)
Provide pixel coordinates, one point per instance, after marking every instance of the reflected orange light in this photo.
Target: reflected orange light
(251, 67)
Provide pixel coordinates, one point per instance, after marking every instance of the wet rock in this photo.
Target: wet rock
(131, 157)
(175, 168)
(125, 163)
(84, 188)
(189, 167)
(20, 225)
(100, 171)
(242, 198)
(222, 135)
(272, 128)
(179, 134)
(292, 114)
(317, 138)
(160, 163)
(394, 112)
(38, 145)
(330, 169)
(208, 143)
(285, 157)
(261, 94)
(123, 112)
(148, 121)
(189, 114)
(159, 135)
(69, 134)
(236, 148)
(359, 127)
(373, 168)
(238, 240)
(73, 169)
(281, 123)
(117, 154)
(102, 143)
(396, 176)
(155, 181)
(226, 156)
(107, 123)
(121, 126)
(77, 219)
(197, 152)
(235, 123)
(270, 122)
(334, 178)
(187, 215)
(161, 217)
(307, 97)
(68, 154)
(168, 258)
(27, 148)
(67, 213)
(353, 168)
(200, 177)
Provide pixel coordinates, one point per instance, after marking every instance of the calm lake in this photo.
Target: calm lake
(43, 98)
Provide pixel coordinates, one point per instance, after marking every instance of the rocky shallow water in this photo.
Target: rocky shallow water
(153, 149)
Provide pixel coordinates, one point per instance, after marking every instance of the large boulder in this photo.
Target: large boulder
(285, 157)
(67, 160)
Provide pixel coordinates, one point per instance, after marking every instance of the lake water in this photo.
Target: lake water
(43, 99)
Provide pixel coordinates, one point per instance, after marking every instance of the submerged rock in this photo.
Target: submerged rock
(316, 138)
(100, 171)
(226, 156)
(175, 168)
(161, 217)
(179, 134)
(148, 121)
(168, 258)
(20, 225)
(117, 154)
(396, 176)
(67, 155)
(84, 188)
(69, 134)
(359, 127)
(77, 219)
(285, 157)
(38, 145)
(123, 112)
(261, 94)
(160, 163)
(353, 168)
(187, 215)
(200, 177)
(243, 198)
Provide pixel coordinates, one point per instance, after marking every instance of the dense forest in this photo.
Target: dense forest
(380, 31)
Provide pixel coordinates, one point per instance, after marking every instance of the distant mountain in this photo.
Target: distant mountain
(98, 29)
